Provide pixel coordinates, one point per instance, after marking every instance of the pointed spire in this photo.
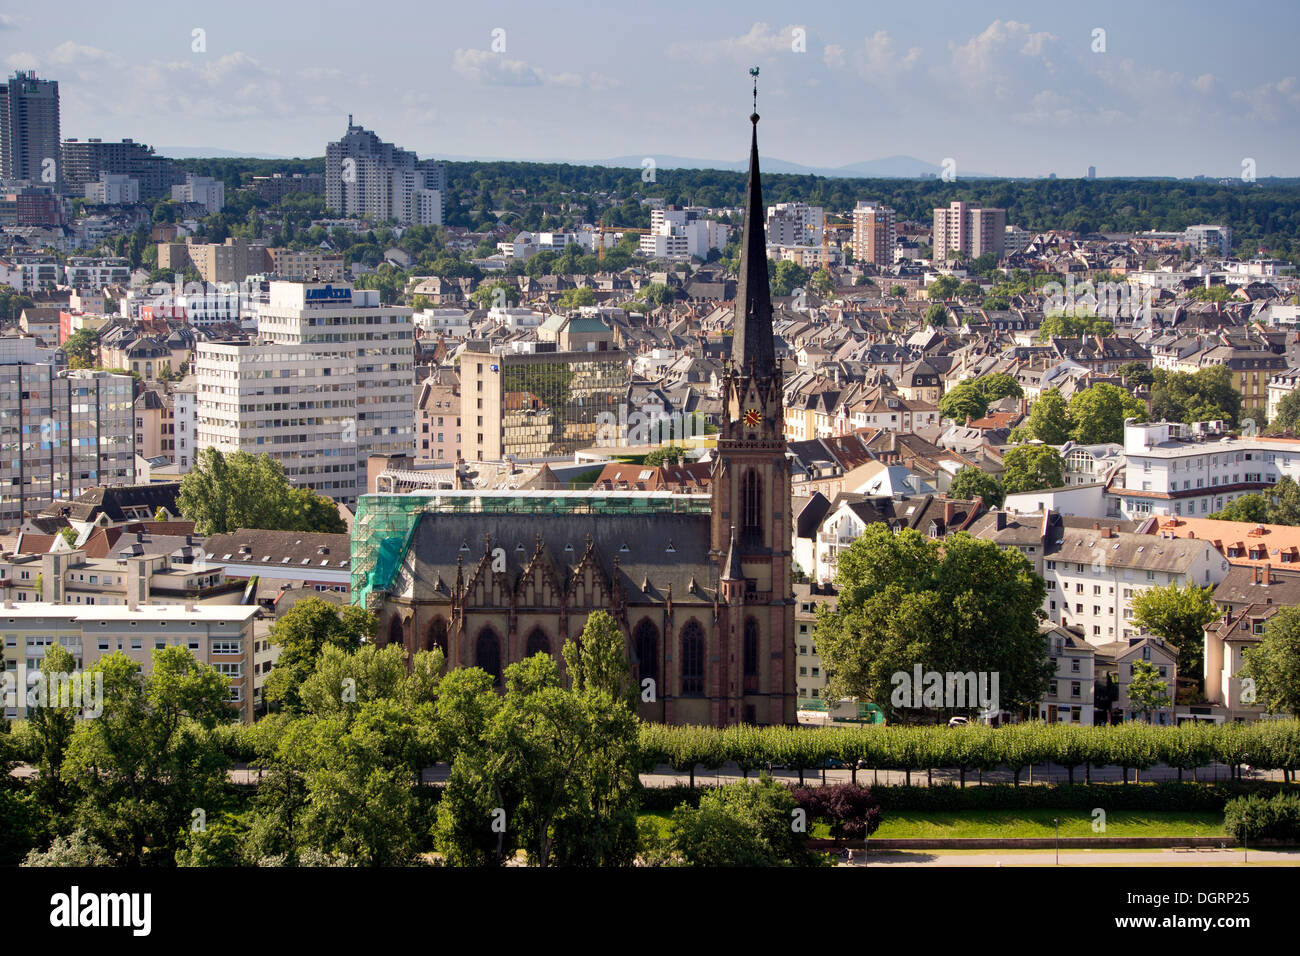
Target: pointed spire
(732, 571)
(752, 349)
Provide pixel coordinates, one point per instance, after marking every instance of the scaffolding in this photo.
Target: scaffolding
(384, 524)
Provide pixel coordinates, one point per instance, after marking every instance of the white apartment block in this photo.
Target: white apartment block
(207, 192)
(1209, 240)
(83, 272)
(688, 224)
(795, 224)
(329, 382)
(1092, 575)
(1169, 470)
(113, 189)
(222, 636)
(364, 176)
(1069, 698)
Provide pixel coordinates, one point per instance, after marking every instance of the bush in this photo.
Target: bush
(851, 810)
(1257, 817)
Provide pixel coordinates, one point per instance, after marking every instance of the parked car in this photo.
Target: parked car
(958, 722)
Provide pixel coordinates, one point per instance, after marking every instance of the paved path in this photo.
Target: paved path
(996, 858)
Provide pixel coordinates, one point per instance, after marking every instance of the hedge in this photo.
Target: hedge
(1260, 817)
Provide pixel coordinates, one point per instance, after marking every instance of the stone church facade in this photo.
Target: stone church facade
(700, 585)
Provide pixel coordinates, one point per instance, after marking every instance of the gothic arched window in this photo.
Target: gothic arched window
(751, 648)
(538, 643)
(437, 637)
(692, 659)
(487, 654)
(751, 507)
(645, 644)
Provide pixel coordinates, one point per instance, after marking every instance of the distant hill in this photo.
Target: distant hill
(210, 152)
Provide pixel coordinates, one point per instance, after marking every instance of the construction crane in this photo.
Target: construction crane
(600, 253)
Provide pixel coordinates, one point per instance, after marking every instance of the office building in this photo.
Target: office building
(61, 431)
(329, 382)
(29, 129)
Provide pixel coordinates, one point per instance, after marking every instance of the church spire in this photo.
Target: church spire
(752, 349)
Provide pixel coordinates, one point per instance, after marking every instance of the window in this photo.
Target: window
(538, 643)
(751, 507)
(645, 644)
(692, 659)
(227, 647)
(487, 654)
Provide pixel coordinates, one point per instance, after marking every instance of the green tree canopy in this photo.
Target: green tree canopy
(906, 600)
(223, 493)
(1179, 615)
(1031, 468)
(1097, 413)
(302, 633)
(936, 315)
(1147, 690)
(1048, 420)
(1207, 394)
(971, 482)
(1274, 664)
(962, 401)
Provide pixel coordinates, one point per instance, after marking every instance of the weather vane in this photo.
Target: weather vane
(753, 71)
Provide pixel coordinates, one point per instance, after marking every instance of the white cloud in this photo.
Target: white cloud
(492, 69)
(761, 40)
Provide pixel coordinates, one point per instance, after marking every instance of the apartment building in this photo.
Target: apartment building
(1069, 698)
(1176, 469)
(1116, 661)
(1209, 240)
(364, 176)
(29, 128)
(222, 636)
(203, 191)
(113, 189)
(329, 382)
(1249, 598)
(86, 161)
(61, 431)
(972, 230)
(307, 265)
(810, 680)
(86, 272)
(875, 233)
(795, 224)
(1092, 575)
(437, 411)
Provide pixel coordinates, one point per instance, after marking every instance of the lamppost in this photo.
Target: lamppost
(1056, 822)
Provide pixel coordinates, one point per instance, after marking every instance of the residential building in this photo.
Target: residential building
(29, 129)
(795, 224)
(365, 176)
(968, 229)
(86, 161)
(1209, 240)
(437, 417)
(1069, 697)
(874, 234)
(113, 189)
(203, 191)
(221, 636)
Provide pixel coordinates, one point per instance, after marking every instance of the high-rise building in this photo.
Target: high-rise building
(329, 382)
(84, 161)
(61, 431)
(795, 224)
(364, 176)
(204, 190)
(972, 230)
(874, 234)
(29, 129)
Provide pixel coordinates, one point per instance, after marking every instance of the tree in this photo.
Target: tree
(964, 400)
(576, 298)
(742, 824)
(1059, 325)
(936, 316)
(1205, 395)
(151, 757)
(851, 810)
(971, 482)
(1135, 374)
(223, 493)
(998, 386)
(1252, 508)
(1274, 664)
(659, 456)
(1048, 420)
(1147, 691)
(554, 766)
(1097, 413)
(897, 291)
(51, 726)
(1179, 615)
(302, 633)
(961, 606)
(1287, 417)
(821, 282)
(786, 276)
(82, 348)
(1031, 468)
(944, 287)
(490, 294)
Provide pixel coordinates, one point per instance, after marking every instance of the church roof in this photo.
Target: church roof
(752, 347)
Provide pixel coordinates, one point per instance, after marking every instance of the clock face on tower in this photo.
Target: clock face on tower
(752, 417)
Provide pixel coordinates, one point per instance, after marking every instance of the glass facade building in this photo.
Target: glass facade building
(61, 432)
(551, 408)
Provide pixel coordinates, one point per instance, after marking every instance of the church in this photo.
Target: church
(700, 585)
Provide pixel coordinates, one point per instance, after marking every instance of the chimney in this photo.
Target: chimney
(1266, 569)
(1255, 574)
(1000, 522)
(949, 509)
(1096, 526)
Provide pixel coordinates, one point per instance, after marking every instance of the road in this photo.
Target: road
(996, 858)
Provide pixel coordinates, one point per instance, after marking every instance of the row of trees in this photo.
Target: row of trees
(976, 748)
(1093, 416)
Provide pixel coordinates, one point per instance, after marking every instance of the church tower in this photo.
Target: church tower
(752, 532)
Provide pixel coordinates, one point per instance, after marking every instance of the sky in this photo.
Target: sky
(1006, 88)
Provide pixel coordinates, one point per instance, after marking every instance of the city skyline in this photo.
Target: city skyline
(1020, 93)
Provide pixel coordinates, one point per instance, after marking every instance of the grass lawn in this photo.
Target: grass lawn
(1038, 823)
